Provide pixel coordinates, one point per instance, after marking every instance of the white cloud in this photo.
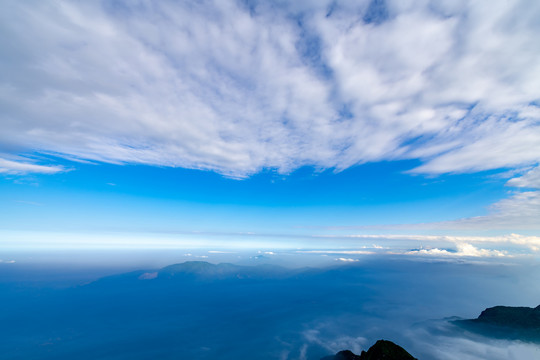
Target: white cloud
(531, 179)
(463, 249)
(222, 87)
(346, 259)
(19, 167)
(420, 73)
(333, 345)
(495, 142)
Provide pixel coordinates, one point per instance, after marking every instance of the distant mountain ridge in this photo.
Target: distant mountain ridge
(381, 350)
(516, 317)
(200, 268)
(506, 322)
(204, 270)
(201, 271)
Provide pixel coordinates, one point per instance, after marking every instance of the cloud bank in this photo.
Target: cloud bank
(237, 87)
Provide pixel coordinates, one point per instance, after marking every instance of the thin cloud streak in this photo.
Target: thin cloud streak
(11, 167)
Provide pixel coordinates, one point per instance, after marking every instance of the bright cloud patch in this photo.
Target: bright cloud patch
(530, 179)
(462, 250)
(235, 89)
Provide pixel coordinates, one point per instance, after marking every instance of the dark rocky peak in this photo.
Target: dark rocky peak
(382, 350)
(386, 350)
(343, 355)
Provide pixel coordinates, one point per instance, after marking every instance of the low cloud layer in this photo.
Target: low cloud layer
(237, 87)
(462, 243)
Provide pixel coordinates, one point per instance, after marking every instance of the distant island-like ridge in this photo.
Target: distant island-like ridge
(506, 322)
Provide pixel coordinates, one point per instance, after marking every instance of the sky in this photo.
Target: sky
(408, 127)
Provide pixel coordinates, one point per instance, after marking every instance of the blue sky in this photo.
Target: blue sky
(180, 199)
(352, 122)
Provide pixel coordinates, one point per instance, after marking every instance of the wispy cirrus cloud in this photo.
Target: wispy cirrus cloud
(235, 88)
(25, 167)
